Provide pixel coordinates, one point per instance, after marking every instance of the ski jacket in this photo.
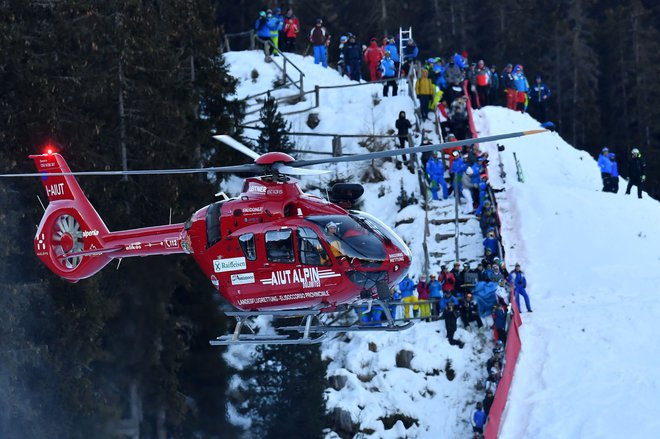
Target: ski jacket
(387, 68)
(459, 166)
(406, 286)
(410, 52)
(279, 25)
(614, 169)
(422, 290)
(520, 82)
(318, 36)
(479, 418)
(444, 300)
(502, 293)
(435, 289)
(264, 25)
(458, 60)
(494, 80)
(636, 168)
(352, 52)
(539, 93)
(453, 74)
(435, 168)
(491, 243)
(517, 278)
(448, 281)
(500, 318)
(373, 54)
(402, 126)
(424, 86)
(483, 76)
(291, 26)
(394, 53)
(604, 163)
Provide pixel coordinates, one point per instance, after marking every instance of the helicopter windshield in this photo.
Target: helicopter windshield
(382, 229)
(347, 237)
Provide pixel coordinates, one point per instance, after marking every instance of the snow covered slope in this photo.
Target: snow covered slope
(589, 365)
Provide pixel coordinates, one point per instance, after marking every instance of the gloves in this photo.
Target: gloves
(643, 179)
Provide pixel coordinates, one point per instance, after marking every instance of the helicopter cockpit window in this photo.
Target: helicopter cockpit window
(310, 250)
(348, 237)
(279, 246)
(248, 246)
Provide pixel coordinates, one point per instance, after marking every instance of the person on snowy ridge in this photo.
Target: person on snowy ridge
(291, 30)
(394, 53)
(435, 294)
(264, 25)
(636, 172)
(353, 58)
(320, 39)
(372, 57)
(605, 165)
(423, 292)
(614, 174)
(538, 99)
(522, 87)
(409, 55)
(388, 71)
(517, 278)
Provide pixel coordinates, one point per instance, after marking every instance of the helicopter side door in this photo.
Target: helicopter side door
(276, 275)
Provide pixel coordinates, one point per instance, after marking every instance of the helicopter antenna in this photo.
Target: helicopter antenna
(170, 215)
(41, 202)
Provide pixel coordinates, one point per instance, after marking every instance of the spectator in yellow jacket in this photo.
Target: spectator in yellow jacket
(425, 89)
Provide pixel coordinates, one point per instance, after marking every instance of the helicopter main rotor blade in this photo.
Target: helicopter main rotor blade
(416, 149)
(290, 170)
(238, 146)
(249, 168)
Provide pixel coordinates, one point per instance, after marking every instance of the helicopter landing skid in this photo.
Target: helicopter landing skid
(311, 330)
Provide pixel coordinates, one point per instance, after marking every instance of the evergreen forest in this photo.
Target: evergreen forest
(134, 84)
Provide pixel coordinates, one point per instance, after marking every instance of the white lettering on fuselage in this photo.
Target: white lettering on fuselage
(87, 233)
(308, 277)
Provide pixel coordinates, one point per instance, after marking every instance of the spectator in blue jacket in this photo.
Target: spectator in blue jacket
(500, 315)
(279, 26)
(478, 419)
(457, 170)
(388, 71)
(407, 286)
(353, 58)
(605, 166)
(614, 174)
(491, 242)
(517, 278)
(446, 298)
(264, 25)
(435, 171)
(394, 53)
(396, 297)
(409, 55)
(435, 294)
(521, 86)
(538, 99)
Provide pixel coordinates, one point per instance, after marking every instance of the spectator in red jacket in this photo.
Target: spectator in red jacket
(372, 56)
(423, 295)
(291, 30)
(448, 280)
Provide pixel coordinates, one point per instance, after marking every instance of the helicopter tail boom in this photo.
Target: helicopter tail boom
(73, 241)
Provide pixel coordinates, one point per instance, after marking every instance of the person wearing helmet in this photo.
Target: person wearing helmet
(605, 165)
(636, 172)
(614, 174)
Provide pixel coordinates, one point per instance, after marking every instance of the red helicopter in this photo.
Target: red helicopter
(273, 250)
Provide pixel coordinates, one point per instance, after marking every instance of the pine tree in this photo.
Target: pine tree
(273, 137)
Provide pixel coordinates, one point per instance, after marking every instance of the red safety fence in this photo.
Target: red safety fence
(469, 111)
(511, 353)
